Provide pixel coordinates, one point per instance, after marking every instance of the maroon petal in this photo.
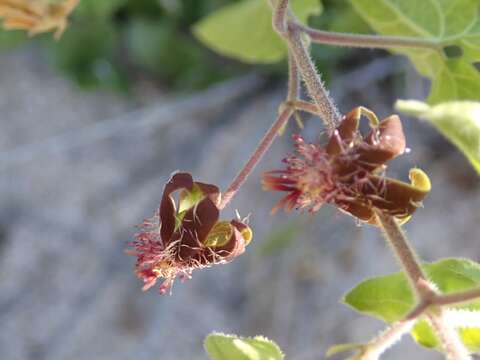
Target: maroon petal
(398, 198)
(345, 132)
(212, 191)
(356, 209)
(383, 144)
(196, 224)
(167, 205)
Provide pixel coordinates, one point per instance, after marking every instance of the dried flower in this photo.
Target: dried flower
(348, 172)
(186, 235)
(37, 16)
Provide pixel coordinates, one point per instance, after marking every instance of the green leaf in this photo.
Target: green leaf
(231, 347)
(244, 31)
(458, 121)
(390, 298)
(340, 348)
(159, 46)
(450, 23)
(91, 66)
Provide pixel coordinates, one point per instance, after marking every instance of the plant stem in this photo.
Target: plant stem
(293, 79)
(452, 345)
(300, 53)
(317, 91)
(457, 298)
(303, 106)
(365, 41)
(401, 247)
(385, 340)
(279, 19)
(261, 149)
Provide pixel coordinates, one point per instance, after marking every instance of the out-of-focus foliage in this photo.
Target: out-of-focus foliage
(231, 347)
(458, 121)
(244, 30)
(111, 44)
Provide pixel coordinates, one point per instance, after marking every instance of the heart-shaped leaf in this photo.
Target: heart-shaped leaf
(453, 24)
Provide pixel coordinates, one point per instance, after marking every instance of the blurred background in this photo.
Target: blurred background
(93, 125)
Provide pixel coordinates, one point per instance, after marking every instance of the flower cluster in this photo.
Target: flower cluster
(36, 16)
(186, 234)
(349, 172)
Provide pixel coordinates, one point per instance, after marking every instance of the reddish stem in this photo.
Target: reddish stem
(262, 148)
(365, 41)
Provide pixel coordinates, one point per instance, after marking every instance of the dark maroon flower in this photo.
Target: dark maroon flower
(186, 234)
(348, 172)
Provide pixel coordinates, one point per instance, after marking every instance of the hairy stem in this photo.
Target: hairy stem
(449, 338)
(398, 241)
(279, 19)
(457, 298)
(385, 340)
(317, 91)
(366, 41)
(261, 149)
(293, 79)
(300, 53)
(303, 106)
(452, 345)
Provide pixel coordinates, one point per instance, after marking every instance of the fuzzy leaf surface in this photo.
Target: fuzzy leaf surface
(450, 23)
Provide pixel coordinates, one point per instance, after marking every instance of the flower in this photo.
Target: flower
(186, 235)
(37, 16)
(348, 172)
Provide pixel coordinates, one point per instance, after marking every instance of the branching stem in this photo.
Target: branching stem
(301, 66)
(449, 338)
(365, 41)
(326, 108)
(457, 298)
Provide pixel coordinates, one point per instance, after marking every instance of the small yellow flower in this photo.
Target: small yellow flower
(36, 16)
